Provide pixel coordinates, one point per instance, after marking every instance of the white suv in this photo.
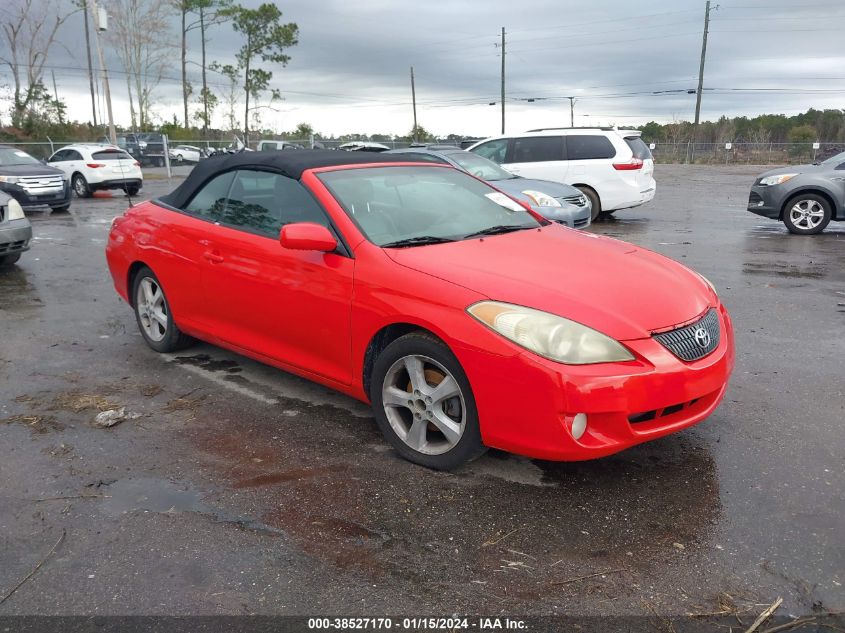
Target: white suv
(613, 167)
(94, 167)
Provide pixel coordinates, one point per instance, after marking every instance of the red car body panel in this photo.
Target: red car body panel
(315, 314)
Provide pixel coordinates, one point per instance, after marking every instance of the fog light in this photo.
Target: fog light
(761, 203)
(579, 425)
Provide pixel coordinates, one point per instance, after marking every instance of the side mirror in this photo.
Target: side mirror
(307, 236)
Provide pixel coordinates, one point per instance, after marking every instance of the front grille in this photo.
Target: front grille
(41, 185)
(754, 198)
(578, 201)
(693, 341)
(654, 414)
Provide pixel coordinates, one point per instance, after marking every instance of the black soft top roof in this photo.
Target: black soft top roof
(288, 163)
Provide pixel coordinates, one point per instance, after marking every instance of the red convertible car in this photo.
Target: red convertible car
(466, 320)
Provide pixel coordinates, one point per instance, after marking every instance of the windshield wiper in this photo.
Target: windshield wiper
(497, 230)
(419, 240)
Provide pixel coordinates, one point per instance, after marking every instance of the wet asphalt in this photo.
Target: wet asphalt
(240, 489)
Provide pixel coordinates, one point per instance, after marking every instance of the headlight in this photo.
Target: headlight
(10, 179)
(541, 199)
(776, 180)
(15, 210)
(549, 335)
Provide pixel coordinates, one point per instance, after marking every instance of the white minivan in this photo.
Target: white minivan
(613, 167)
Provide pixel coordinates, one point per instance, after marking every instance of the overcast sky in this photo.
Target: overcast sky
(350, 70)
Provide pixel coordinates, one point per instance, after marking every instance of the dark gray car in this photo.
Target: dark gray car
(553, 200)
(15, 230)
(805, 197)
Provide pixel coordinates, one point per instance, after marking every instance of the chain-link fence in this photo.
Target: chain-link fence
(664, 152)
(744, 153)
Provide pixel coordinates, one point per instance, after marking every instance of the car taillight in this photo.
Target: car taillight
(94, 165)
(137, 164)
(634, 163)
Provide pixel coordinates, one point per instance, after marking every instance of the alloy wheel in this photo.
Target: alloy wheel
(152, 309)
(424, 404)
(806, 214)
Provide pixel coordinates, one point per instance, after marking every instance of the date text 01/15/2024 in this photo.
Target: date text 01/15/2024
(416, 624)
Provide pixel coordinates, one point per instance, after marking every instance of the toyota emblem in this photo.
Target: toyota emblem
(702, 337)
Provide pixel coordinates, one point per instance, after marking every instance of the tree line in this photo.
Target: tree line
(141, 34)
(826, 126)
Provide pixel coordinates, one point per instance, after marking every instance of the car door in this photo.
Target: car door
(591, 163)
(292, 306)
(538, 157)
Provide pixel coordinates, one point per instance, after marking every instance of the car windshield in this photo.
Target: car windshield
(10, 156)
(835, 160)
(407, 206)
(480, 167)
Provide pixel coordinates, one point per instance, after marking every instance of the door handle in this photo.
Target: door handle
(214, 258)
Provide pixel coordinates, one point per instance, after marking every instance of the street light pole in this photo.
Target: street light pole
(503, 80)
(97, 28)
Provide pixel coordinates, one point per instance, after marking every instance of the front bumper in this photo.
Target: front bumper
(570, 215)
(526, 403)
(52, 198)
(764, 200)
(15, 236)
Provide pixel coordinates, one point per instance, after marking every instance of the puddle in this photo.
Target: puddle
(204, 361)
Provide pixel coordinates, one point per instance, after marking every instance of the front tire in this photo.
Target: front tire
(807, 214)
(423, 403)
(8, 260)
(594, 201)
(62, 209)
(80, 186)
(152, 312)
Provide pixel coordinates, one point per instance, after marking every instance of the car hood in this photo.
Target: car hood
(609, 285)
(29, 170)
(515, 187)
(791, 169)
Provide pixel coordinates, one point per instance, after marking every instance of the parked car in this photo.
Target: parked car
(265, 146)
(614, 168)
(31, 182)
(95, 167)
(804, 197)
(467, 320)
(554, 201)
(15, 230)
(185, 153)
(363, 146)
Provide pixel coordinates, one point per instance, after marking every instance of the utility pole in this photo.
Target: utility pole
(414, 101)
(56, 96)
(503, 80)
(97, 28)
(90, 67)
(571, 111)
(701, 67)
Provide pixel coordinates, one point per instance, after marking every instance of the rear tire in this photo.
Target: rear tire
(594, 200)
(807, 214)
(152, 313)
(8, 260)
(132, 191)
(423, 403)
(80, 186)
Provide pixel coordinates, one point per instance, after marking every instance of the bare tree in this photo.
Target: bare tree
(140, 35)
(29, 32)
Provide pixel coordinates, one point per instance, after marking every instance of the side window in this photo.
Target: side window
(493, 150)
(210, 201)
(72, 154)
(262, 202)
(59, 156)
(589, 147)
(534, 149)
